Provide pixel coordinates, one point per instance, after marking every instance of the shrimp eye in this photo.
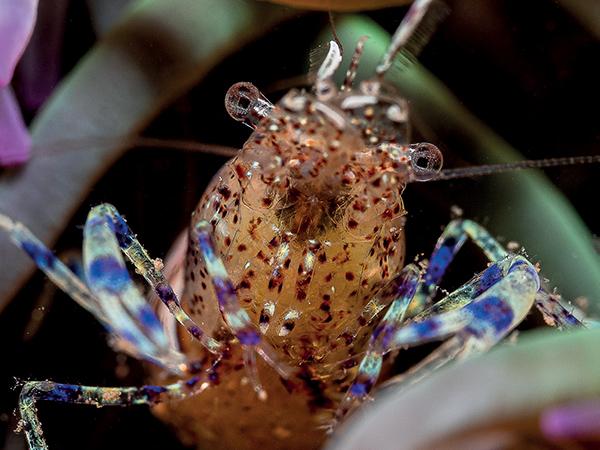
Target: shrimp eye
(425, 160)
(245, 103)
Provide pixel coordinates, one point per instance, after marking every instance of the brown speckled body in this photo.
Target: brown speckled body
(308, 219)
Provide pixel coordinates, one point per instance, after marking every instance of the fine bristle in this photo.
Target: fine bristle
(436, 13)
(490, 169)
(316, 57)
(324, 86)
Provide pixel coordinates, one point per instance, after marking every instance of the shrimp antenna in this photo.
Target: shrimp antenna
(353, 67)
(324, 86)
(490, 169)
(61, 146)
(326, 56)
(414, 32)
(336, 38)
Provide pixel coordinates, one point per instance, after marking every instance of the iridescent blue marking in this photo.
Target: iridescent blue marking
(41, 255)
(248, 337)
(388, 335)
(153, 391)
(105, 272)
(377, 331)
(122, 230)
(148, 318)
(571, 319)
(66, 393)
(205, 245)
(427, 328)
(408, 287)
(439, 261)
(404, 285)
(95, 221)
(192, 382)
(488, 278)
(359, 390)
(517, 265)
(195, 331)
(128, 336)
(492, 311)
(225, 291)
(165, 292)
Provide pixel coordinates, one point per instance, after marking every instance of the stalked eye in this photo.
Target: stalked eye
(425, 160)
(245, 103)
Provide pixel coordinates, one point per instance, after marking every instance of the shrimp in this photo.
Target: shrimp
(295, 254)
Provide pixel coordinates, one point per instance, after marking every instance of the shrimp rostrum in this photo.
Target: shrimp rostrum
(295, 254)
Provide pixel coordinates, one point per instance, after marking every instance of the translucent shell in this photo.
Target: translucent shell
(309, 220)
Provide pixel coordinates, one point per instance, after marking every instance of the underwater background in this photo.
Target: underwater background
(497, 77)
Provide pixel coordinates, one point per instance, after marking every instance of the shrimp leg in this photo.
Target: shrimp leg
(447, 317)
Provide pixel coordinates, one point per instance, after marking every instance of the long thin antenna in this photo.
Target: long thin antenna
(489, 169)
(67, 145)
(184, 145)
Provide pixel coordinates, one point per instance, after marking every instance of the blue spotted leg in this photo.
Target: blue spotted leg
(34, 391)
(235, 316)
(125, 307)
(128, 335)
(450, 242)
(108, 218)
(53, 267)
(403, 289)
(475, 316)
(112, 297)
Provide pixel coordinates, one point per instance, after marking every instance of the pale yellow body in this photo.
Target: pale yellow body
(309, 223)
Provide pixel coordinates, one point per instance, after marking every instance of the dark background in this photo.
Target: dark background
(524, 68)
